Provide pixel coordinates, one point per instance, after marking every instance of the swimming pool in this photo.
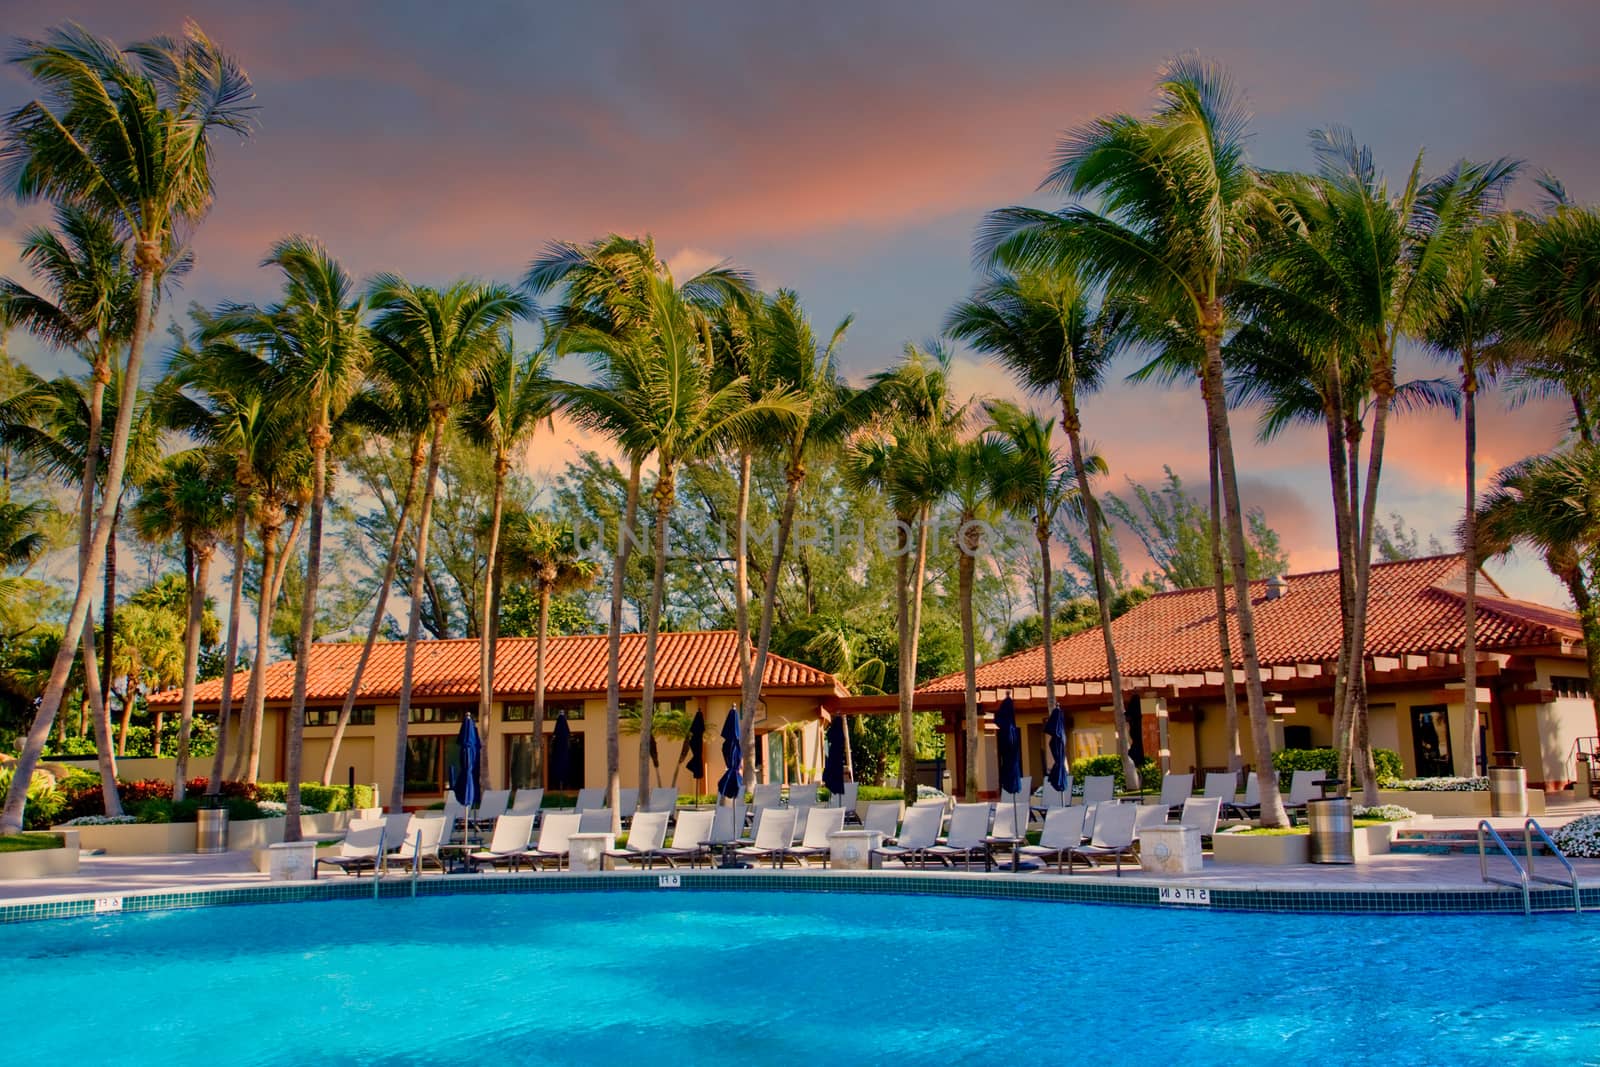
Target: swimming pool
(782, 978)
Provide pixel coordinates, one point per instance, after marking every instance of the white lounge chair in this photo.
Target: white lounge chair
(1175, 789)
(884, 817)
(555, 838)
(594, 821)
(820, 822)
(1248, 805)
(664, 800)
(1099, 787)
(1010, 818)
(1063, 831)
(774, 836)
(1113, 836)
(1051, 797)
(593, 796)
(691, 838)
(646, 835)
(526, 802)
(493, 805)
(454, 815)
(1147, 815)
(361, 849)
(847, 801)
(420, 845)
(1021, 796)
(1202, 813)
(727, 823)
(628, 800)
(512, 835)
(803, 795)
(766, 794)
(1223, 784)
(1304, 786)
(918, 833)
(969, 825)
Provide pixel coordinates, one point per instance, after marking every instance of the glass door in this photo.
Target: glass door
(1430, 742)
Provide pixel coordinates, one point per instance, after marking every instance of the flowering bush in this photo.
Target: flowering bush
(278, 807)
(1580, 837)
(1384, 813)
(100, 820)
(1439, 785)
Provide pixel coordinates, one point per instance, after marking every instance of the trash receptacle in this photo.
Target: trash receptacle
(211, 830)
(1331, 820)
(1508, 786)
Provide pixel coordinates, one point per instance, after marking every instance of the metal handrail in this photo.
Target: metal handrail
(380, 861)
(1528, 830)
(1483, 864)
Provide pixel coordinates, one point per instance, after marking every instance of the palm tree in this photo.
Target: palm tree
(657, 393)
(319, 351)
(903, 462)
(513, 399)
(548, 556)
(433, 343)
(124, 134)
(1176, 232)
(188, 499)
(1551, 503)
(1043, 328)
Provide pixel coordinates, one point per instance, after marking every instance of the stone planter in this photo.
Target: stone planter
(170, 838)
(44, 863)
(1285, 850)
(1446, 805)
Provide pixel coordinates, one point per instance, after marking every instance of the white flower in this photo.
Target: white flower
(1385, 812)
(1441, 785)
(1580, 837)
(100, 820)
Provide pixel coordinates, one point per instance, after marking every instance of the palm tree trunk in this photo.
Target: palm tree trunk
(191, 665)
(235, 608)
(1469, 548)
(1219, 585)
(127, 717)
(391, 564)
(1339, 471)
(99, 701)
(908, 666)
(902, 596)
(397, 791)
(1102, 585)
(751, 694)
(966, 564)
(647, 710)
(1041, 533)
(148, 260)
(1272, 813)
(1589, 620)
(108, 604)
(619, 568)
(486, 634)
(741, 574)
(294, 757)
(1383, 390)
(538, 681)
(256, 693)
(100, 711)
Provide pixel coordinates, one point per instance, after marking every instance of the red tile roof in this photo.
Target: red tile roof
(1415, 607)
(693, 662)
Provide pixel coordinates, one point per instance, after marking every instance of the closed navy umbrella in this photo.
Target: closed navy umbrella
(694, 747)
(731, 784)
(1008, 746)
(466, 777)
(560, 753)
(1055, 729)
(833, 764)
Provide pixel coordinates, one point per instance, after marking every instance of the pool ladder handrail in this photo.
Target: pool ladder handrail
(1483, 863)
(1531, 827)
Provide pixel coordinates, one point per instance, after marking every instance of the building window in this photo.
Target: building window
(359, 716)
(678, 705)
(423, 756)
(1430, 742)
(1568, 685)
(519, 762)
(1297, 737)
(437, 713)
(552, 708)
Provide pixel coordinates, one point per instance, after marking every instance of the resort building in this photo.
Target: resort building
(1532, 685)
(696, 671)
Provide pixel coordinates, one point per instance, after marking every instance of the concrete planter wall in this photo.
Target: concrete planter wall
(1452, 805)
(45, 863)
(1284, 850)
(169, 838)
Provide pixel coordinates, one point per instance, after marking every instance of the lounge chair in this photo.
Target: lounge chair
(526, 802)
(884, 817)
(1304, 786)
(1010, 818)
(1021, 796)
(774, 836)
(766, 794)
(593, 796)
(664, 800)
(1222, 784)
(1063, 831)
(645, 837)
(395, 825)
(361, 849)
(492, 806)
(691, 838)
(454, 816)
(1175, 789)
(1202, 813)
(1051, 797)
(512, 835)
(919, 833)
(847, 801)
(1248, 805)
(1099, 787)
(969, 826)
(803, 795)
(1113, 836)
(594, 821)
(820, 822)
(555, 838)
(420, 845)
(628, 801)
(1147, 815)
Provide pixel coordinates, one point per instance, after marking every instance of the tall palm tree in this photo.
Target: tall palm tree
(657, 392)
(319, 350)
(903, 461)
(1043, 327)
(125, 134)
(548, 556)
(1176, 230)
(512, 401)
(1551, 503)
(188, 499)
(433, 343)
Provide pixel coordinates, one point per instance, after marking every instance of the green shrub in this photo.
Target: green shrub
(316, 795)
(154, 809)
(1111, 763)
(1387, 762)
(46, 800)
(880, 792)
(28, 842)
(240, 809)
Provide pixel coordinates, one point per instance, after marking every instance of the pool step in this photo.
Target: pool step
(1414, 841)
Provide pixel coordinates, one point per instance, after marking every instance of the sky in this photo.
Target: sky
(846, 151)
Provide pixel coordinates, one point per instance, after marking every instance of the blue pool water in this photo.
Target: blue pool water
(758, 978)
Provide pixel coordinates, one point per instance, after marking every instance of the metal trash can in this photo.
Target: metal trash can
(1508, 786)
(1333, 829)
(211, 830)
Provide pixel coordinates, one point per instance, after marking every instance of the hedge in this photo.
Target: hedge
(1290, 760)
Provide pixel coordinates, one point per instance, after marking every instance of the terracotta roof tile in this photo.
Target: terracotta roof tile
(1414, 608)
(693, 661)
